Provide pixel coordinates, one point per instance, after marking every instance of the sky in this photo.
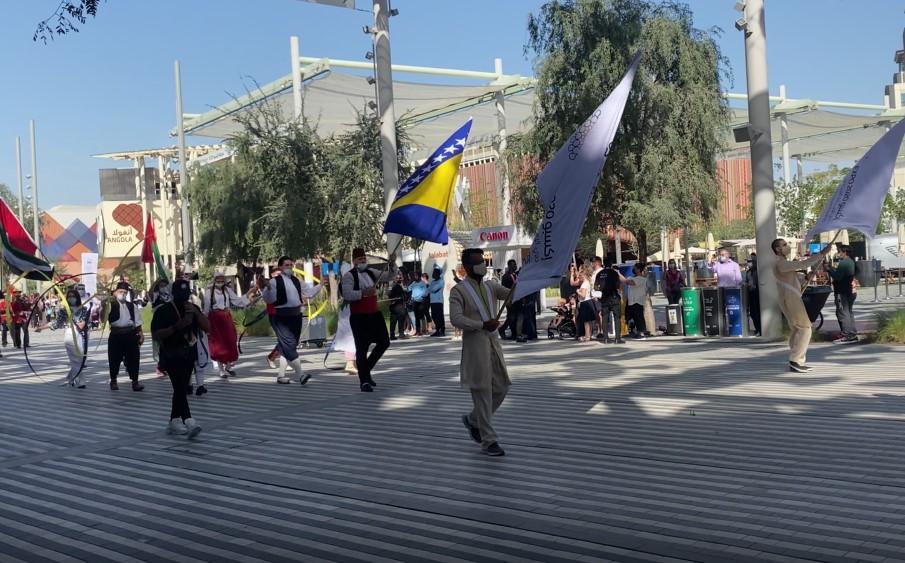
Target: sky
(110, 87)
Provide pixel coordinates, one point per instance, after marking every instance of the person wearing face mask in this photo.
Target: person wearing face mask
(160, 295)
(218, 301)
(359, 290)
(126, 338)
(176, 326)
(790, 301)
(727, 272)
(473, 306)
(435, 289)
(674, 281)
(398, 314)
(75, 337)
(286, 292)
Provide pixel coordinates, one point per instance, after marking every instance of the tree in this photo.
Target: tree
(661, 169)
(12, 200)
(267, 202)
(893, 209)
(65, 19)
(800, 203)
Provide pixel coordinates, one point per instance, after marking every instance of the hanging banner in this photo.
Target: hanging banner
(89, 272)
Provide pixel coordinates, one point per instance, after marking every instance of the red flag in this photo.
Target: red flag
(147, 249)
(19, 248)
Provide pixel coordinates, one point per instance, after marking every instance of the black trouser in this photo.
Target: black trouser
(398, 317)
(612, 305)
(179, 365)
(288, 328)
(4, 329)
(844, 314)
(754, 308)
(514, 321)
(635, 312)
(123, 347)
(420, 309)
(367, 329)
(672, 297)
(20, 335)
(439, 321)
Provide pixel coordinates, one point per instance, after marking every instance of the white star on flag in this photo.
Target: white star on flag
(439, 159)
(460, 142)
(450, 149)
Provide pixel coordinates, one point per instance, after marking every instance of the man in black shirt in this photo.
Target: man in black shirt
(175, 327)
(608, 282)
(398, 314)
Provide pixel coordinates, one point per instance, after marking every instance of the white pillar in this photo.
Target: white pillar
(19, 179)
(617, 237)
(164, 199)
(183, 176)
(34, 186)
(505, 215)
(762, 164)
(384, 76)
(784, 130)
(799, 169)
(296, 77)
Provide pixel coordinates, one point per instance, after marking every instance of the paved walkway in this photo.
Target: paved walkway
(664, 450)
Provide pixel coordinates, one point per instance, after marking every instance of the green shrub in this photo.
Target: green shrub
(891, 326)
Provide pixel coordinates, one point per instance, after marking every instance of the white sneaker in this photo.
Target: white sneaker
(284, 380)
(177, 427)
(192, 428)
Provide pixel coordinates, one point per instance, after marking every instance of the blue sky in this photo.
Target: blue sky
(110, 87)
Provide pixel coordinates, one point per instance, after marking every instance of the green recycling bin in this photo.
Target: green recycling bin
(691, 311)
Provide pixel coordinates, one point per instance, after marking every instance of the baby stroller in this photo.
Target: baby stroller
(562, 325)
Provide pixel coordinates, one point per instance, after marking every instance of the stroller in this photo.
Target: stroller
(562, 325)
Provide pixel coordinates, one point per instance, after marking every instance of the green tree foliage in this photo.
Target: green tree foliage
(800, 203)
(893, 208)
(268, 200)
(12, 200)
(661, 169)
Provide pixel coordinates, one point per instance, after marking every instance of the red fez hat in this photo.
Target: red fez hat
(358, 253)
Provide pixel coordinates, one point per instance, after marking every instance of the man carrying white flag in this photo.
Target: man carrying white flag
(566, 186)
(858, 201)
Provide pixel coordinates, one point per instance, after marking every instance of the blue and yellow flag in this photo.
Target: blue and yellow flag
(419, 210)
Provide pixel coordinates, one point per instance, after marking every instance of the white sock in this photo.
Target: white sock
(282, 370)
(297, 366)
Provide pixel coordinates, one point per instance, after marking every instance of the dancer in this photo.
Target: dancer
(473, 307)
(286, 292)
(176, 327)
(126, 338)
(219, 299)
(359, 289)
(790, 300)
(75, 338)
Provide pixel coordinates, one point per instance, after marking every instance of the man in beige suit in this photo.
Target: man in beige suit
(790, 301)
(473, 309)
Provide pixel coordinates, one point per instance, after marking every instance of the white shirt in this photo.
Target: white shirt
(125, 319)
(637, 294)
(293, 299)
(586, 286)
(348, 281)
(223, 300)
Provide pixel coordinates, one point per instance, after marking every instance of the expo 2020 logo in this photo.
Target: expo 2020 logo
(577, 140)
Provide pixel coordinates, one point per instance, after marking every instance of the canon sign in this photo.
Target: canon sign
(490, 236)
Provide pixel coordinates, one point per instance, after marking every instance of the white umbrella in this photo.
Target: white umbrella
(677, 249)
(711, 245)
(843, 237)
(598, 251)
(902, 237)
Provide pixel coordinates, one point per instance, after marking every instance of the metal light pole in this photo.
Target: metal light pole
(752, 24)
(387, 116)
(19, 179)
(34, 185)
(183, 176)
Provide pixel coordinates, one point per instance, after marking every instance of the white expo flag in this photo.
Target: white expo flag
(858, 201)
(566, 186)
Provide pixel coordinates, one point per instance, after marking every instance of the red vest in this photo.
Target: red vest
(364, 305)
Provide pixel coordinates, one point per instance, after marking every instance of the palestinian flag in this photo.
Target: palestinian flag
(19, 248)
(150, 254)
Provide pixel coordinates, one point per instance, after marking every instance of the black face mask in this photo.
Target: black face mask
(436, 275)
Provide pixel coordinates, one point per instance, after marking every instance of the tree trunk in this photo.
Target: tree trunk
(641, 237)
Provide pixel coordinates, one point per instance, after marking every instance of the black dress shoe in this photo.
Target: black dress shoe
(201, 390)
(620, 341)
(521, 339)
(472, 430)
(494, 450)
(366, 387)
(372, 383)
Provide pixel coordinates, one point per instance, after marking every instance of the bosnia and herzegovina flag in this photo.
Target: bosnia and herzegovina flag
(150, 254)
(19, 248)
(419, 210)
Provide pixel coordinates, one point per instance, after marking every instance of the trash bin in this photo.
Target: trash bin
(674, 320)
(656, 271)
(314, 331)
(713, 311)
(868, 272)
(735, 313)
(691, 311)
